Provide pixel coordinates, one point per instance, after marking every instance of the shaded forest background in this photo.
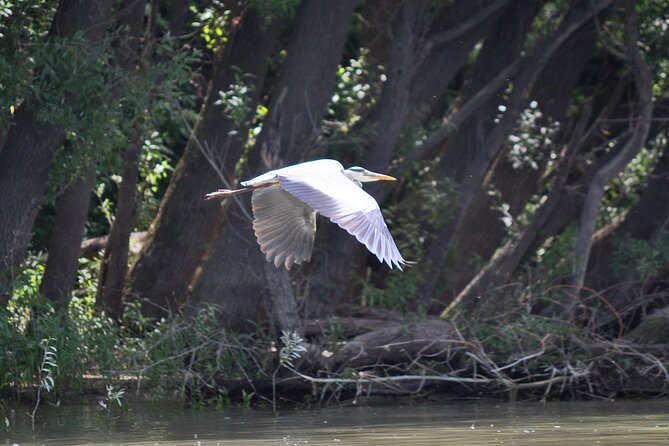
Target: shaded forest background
(529, 139)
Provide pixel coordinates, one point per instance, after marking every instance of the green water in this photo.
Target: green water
(457, 423)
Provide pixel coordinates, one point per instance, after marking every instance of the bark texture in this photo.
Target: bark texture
(186, 222)
(64, 244)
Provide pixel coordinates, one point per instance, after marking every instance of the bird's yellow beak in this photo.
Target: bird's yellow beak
(381, 177)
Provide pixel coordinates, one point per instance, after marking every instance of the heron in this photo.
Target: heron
(285, 202)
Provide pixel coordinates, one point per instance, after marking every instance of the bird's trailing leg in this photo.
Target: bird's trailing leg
(223, 193)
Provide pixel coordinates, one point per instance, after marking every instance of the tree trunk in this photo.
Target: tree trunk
(393, 105)
(31, 143)
(73, 204)
(304, 85)
(72, 207)
(603, 176)
(646, 220)
(235, 272)
(23, 174)
(462, 26)
(114, 266)
(186, 222)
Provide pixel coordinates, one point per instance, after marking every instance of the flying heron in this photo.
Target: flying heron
(285, 202)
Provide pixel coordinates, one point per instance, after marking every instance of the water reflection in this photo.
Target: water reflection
(604, 423)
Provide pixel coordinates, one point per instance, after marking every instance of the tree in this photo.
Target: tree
(133, 58)
(186, 222)
(73, 203)
(470, 171)
(32, 141)
(526, 112)
(302, 89)
(424, 49)
(603, 176)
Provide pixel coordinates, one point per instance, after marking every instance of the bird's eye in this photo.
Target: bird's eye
(357, 169)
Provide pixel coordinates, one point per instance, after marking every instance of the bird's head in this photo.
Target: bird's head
(362, 175)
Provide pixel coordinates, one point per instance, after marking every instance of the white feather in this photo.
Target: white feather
(323, 185)
(284, 226)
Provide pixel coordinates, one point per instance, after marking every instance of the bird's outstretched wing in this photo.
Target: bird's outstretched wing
(284, 226)
(330, 192)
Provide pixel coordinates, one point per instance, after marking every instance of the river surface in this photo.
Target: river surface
(455, 423)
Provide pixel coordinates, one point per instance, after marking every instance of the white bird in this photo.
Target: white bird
(285, 202)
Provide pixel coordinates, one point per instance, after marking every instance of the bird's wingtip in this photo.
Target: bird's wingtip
(401, 264)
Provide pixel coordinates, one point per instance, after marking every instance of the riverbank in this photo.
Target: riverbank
(355, 354)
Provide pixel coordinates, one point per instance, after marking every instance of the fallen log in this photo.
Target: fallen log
(433, 339)
(92, 247)
(347, 327)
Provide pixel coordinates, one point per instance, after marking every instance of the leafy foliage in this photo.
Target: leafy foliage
(172, 357)
(237, 100)
(292, 347)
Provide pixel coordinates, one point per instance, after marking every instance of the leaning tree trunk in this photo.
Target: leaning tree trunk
(466, 149)
(499, 269)
(114, 267)
(31, 143)
(473, 169)
(605, 174)
(236, 274)
(483, 230)
(186, 222)
(457, 31)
